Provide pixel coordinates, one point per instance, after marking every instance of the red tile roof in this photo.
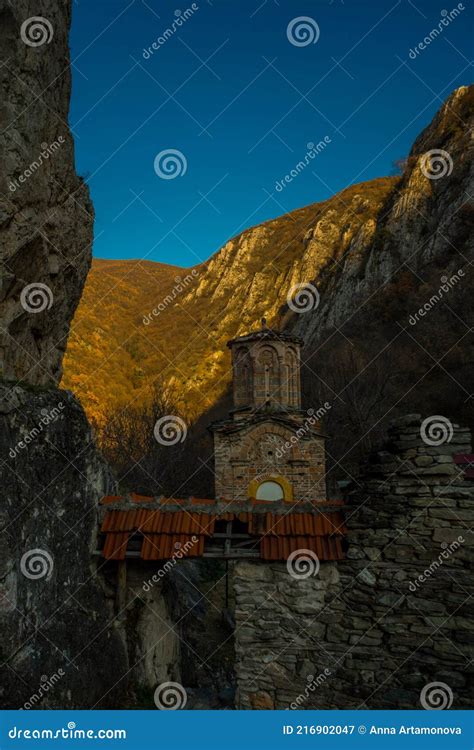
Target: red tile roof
(162, 533)
(278, 548)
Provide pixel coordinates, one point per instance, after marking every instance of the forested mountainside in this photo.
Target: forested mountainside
(118, 347)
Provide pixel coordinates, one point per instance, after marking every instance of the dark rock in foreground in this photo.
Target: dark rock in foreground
(59, 647)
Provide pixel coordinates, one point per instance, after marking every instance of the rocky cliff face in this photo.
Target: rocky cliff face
(46, 215)
(59, 648)
(347, 247)
(425, 219)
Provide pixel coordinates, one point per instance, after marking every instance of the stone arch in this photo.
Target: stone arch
(286, 487)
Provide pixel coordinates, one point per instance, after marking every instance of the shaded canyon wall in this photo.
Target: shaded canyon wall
(59, 647)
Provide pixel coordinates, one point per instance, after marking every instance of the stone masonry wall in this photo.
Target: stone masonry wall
(376, 629)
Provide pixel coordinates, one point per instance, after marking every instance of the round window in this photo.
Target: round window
(270, 491)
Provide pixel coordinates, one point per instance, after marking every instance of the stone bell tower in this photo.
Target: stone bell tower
(266, 371)
(269, 449)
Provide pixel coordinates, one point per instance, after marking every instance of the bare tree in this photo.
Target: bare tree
(155, 449)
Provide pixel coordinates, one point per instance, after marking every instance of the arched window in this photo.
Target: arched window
(271, 488)
(270, 491)
(267, 376)
(242, 377)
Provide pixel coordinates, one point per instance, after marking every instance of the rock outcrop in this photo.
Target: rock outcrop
(46, 215)
(59, 647)
(427, 218)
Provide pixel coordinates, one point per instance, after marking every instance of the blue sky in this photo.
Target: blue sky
(231, 91)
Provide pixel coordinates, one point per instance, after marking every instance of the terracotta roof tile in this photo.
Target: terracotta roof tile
(280, 534)
(115, 546)
(136, 498)
(279, 548)
(140, 498)
(110, 499)
(164, 546)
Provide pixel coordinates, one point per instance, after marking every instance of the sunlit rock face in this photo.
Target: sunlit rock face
(426, 218)
(46, 216)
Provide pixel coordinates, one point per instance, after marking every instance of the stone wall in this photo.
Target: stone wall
(393, 617)
(281, 636)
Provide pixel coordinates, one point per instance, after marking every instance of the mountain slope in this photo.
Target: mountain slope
(103, 365)
(113, 355)
(426, 221)
(348, 247)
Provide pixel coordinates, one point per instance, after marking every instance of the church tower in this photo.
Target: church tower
(269, 449)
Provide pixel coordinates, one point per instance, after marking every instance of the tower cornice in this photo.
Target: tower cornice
(266, 334)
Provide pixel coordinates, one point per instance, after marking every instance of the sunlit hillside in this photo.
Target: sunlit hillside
(119, 347)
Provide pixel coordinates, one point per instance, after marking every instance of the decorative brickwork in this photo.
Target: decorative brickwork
(257, 451)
